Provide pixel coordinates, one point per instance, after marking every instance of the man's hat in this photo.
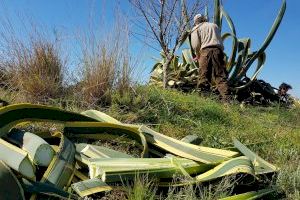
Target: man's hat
(199, 18)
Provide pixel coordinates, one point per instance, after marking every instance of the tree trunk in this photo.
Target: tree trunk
(165, 71)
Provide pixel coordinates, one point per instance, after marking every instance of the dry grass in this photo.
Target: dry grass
(98, 76)
(39, 72)
(34, 67)
(30, 64)
(106, 64)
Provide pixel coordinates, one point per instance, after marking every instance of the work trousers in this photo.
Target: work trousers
(212, 70)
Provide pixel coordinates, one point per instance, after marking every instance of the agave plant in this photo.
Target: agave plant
(238, 63)
(179, 73)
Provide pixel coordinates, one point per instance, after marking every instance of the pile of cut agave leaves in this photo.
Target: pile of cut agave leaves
(42, 165)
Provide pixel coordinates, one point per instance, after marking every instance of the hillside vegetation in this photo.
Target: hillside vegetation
(272, 132)
(40, 70)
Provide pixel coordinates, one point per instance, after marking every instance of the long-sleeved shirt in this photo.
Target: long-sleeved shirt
(204, 35)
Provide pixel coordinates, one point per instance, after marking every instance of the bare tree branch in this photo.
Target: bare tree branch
(168, 21)
(146, 43)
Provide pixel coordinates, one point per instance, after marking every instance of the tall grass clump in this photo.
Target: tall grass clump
(106, 65)
(32, 63)
(39, 73)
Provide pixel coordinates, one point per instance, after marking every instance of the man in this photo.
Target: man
(207, 43)
(284, 97)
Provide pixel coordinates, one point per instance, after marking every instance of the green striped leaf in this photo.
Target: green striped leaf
(17, 159)
(13, 114)
(45, 189)
(94, 151)
(39, 151)
(269, 37)
(73, 129)
(217, 14)
(118, 169)
(260, 165)
(186, 150)
(234, 166)
(100, 116)
(62, 166)
(260, 64)
(91, 186)
(239, 165)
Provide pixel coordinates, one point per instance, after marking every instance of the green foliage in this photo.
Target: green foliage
(178, 73)
(272, 132)
(289, 181)
(185, 74)
(142, 189)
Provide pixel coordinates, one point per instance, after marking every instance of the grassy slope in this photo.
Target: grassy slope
(275, 130)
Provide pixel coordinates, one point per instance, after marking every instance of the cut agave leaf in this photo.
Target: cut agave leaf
(186, 150)
(73, 128)
(120, 169)
(91, 186)
(45, 189)
(234, 166)
(82, 159)
(144, 134)
(13, 114)
(62, 167)
(250, 195)
(94, 151)
(104, 136)
(17, 159)
(10, 187)
(39, 151)
(260, 165)
(231, 167)
(100, 116)
(80, 175)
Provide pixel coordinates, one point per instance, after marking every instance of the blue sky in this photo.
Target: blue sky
(252, 18)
